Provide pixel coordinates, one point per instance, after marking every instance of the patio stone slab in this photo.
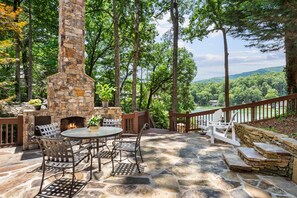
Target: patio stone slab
(121, 189)
(256, 192)
(239, 193)
(236, 163)
(167, 182)
(204, 193)
(175, 165)
(129, 180)
(283, 183)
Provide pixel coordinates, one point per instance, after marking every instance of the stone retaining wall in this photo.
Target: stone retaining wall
(249, 134)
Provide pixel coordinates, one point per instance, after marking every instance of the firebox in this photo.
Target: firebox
(72, 122)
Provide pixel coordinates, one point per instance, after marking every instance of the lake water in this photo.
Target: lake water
(204, 108)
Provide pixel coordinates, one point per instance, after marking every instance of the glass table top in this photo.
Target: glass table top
(84, 133)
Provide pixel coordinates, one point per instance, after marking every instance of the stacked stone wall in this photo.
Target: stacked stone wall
(249, 134)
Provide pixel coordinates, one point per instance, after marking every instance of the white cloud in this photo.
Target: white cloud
(209, 54)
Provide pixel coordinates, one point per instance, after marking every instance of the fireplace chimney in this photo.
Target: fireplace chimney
(71, 91)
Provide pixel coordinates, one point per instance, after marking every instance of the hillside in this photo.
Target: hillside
(245, 74)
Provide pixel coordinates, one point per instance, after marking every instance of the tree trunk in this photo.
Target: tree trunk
(226, 54)
(149, 101)
(174, 18)
(136, 54)
(141, 89)
(29, 82)
(291, 62)
(116, 53)
(17, 56)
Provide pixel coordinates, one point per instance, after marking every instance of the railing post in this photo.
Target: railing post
(170, 121)
(147, 117)
(20, 130)
(253, 112)
(187, 122)
(124, 127)
(135, 122)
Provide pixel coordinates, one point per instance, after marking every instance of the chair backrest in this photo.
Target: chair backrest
(231, 122)
(112, 122)
(56, 149)
(49, 130)
(144, 128)
(217, 115)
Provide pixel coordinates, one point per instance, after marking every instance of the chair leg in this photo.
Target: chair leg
(72, 183)
(137, 164)
(99, 161)
(98, 155)
(91, 165)
(43, 172)
(140, 154)
(112, 162)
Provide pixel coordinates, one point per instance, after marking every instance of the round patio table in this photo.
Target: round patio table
(84, 133)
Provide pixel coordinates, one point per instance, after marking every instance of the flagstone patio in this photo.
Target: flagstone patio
(176, 165)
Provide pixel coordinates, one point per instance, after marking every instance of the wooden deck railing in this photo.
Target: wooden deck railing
(252, 112)
(11, 131)
(133, 122)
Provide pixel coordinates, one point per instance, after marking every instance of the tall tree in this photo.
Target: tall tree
(136, 54)
(16, 6)
(174, 17)
(116, 52)
(30, 77)
(270, 26)
(208, 16)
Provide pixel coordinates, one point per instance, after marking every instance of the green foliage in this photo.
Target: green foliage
(95, 120)
(242, 90)
(105, 92)
(160, 113)
(35, 102)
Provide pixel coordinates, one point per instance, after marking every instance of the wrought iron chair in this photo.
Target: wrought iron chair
(102, 153)
(58, 153)
(53, 131)
(112, 122)
(131, 145)
(49, 130)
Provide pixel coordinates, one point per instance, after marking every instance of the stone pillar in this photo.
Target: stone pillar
(72, 36)
(71, 92)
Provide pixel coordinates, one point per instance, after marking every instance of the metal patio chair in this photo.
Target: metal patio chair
(58, 153)
(131, 145)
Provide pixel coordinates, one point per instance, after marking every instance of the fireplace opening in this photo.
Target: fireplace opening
(72, 122)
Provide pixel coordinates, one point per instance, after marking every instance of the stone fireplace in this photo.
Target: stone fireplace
(70, 92)
(72, 122)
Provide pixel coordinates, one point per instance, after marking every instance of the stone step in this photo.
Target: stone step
(271, 151)
(250, 154)
(261, 163)
(235, 163)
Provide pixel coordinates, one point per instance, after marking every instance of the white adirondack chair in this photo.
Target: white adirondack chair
(219, 131)
(216, 119)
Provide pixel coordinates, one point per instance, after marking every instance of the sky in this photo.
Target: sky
(209, 54)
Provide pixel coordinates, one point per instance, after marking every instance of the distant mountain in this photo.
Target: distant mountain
(245, 74)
